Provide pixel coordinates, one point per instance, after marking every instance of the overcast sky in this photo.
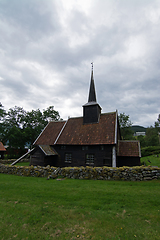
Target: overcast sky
(47, 46)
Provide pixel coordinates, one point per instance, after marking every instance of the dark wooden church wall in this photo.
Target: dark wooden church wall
(37, 158)
(102, 155)
(52, 161)
(128, 161)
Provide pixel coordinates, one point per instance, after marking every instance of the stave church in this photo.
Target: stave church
(91, 140)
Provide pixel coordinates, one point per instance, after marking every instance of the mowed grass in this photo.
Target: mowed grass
(36, 208)
(153, 160)
(22, 164)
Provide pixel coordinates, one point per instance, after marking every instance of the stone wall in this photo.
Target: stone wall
(9, 161)
(97, 173)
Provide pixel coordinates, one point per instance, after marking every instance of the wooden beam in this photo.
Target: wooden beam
(19, 159)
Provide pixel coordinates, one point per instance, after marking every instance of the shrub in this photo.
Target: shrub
(147, 151)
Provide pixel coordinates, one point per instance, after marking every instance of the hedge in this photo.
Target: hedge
(147, 151)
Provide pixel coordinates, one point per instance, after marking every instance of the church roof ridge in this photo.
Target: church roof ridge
(108, 113)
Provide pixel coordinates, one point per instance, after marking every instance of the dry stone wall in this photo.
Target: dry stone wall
(9, 161)
(97, 173)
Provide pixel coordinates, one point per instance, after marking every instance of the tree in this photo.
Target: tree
(2, 111)
(152, 133)
(142, 140)
(23, 127)
(151, 137)
(35, 121)
(125, 126)
(2, 115)
(51, 115)
(13, 134)
(157, 124)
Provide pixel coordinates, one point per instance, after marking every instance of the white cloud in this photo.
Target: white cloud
(46, 48)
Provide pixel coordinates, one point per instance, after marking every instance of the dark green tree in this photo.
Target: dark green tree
(23, 127)
(2, 112)
(151, 137)
(142, 140)
(13, 134)
(157, 125)
(50, 114)
(2, 116)
(35, 121)
(125, 126)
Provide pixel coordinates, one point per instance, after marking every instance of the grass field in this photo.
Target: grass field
(36, 208)
(22, 164)
(152, 160)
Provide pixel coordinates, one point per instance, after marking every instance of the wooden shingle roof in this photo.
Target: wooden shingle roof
(2, 148)
(74, 132)
(50, 133)
(129, 148)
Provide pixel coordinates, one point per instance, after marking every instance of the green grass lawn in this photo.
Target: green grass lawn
(22, 164)
(36, 208)
(152, 160)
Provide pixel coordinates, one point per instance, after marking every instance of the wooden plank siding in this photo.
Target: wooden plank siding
(37, 158)
(128, 161)
(102, 155)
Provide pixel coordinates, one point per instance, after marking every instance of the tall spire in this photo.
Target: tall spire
(92, 92)
(91, 110)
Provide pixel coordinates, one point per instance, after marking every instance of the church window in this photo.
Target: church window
(102, 147)
(90, 159)
(68, 157)
(84, 148)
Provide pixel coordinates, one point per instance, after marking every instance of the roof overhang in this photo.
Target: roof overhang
(48, 150)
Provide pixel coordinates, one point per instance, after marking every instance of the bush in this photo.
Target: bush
(147, 151)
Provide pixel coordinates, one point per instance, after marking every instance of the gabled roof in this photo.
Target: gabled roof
(2, 148)
(77, 133)
(129, 148)
(49, 135)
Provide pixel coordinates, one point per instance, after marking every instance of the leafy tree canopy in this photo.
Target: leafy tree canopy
(2, 114)
(21, 127)
(157, 123)
(2, 111)
(125, 126)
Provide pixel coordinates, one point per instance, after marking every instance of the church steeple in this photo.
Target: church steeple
(92, 92)
(91, 110)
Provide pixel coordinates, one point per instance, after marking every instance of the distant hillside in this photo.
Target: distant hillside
(136, 128)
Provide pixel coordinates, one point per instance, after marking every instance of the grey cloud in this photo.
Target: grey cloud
(31, 16)
(46, 62)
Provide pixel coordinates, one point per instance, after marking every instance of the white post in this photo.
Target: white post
(114, 156)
